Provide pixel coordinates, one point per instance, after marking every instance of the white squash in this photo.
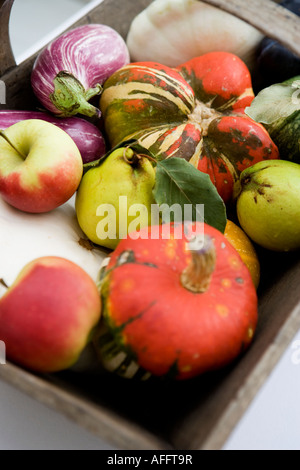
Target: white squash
(24, 237)
(172, 32)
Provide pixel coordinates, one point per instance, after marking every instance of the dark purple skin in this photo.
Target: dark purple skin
(87, 136)
(276, 63)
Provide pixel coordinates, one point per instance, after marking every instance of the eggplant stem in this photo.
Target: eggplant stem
(71, 98)
(2, 134)
(91, 92)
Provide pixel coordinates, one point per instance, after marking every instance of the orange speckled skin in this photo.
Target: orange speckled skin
(169, 329)
(232, 144)
(48, 313)
(219, 74)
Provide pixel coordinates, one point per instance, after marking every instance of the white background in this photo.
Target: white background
(272, 421)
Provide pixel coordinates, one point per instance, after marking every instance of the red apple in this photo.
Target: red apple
(40, 166)
(48, 314)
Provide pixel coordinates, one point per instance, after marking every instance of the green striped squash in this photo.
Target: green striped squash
(195, 112)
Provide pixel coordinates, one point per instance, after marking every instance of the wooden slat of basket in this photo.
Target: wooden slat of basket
(19, 94)
(271, 19)
(7, 59)
(99, 421)
(267, 16)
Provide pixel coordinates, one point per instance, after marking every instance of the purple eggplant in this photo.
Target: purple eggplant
(86, 135)
(71, 70)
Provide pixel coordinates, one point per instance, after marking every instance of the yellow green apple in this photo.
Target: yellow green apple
(115, 197)
(268, 206)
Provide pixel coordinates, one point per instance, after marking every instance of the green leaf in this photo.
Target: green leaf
(275, 102)
(179, 182)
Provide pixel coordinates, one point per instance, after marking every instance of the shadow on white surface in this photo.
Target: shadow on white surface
(272, 422)
(29, 425)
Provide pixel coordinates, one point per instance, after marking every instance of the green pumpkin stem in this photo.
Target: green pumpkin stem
(197, 276)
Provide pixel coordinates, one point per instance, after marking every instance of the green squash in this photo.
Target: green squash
(278, 108)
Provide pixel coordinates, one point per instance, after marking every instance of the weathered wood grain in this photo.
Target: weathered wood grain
(7, 60)
(19, 95)
(270, 18)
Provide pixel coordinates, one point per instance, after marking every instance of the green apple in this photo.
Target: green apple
(48, 314)
(40, 166)
(116, 197)
(268, 206)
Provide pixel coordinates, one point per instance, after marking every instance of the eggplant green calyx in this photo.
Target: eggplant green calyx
(71, 98)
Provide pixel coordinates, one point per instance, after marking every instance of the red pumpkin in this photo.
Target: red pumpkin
(194, 112)
(179, 312)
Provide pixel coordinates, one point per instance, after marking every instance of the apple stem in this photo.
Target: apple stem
(2, 134)
(3, 283)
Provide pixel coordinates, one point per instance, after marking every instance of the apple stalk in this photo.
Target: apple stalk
(2, 134)
(3, 283)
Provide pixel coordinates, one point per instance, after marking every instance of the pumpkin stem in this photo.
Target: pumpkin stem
(203, 114)
(197, 276)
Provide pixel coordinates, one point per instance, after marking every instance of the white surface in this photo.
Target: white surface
(43, 21)
(27, 425)
(271, 422)
(54, 234)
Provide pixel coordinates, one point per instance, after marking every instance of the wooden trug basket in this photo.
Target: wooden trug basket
(200, 413)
